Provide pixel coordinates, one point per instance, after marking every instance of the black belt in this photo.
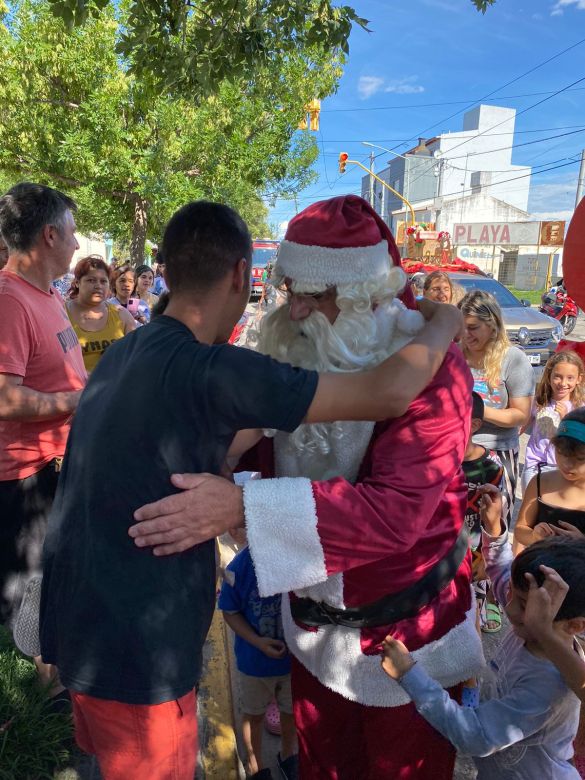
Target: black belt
(389, 609)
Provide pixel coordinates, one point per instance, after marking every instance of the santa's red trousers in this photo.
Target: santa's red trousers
(342, 740)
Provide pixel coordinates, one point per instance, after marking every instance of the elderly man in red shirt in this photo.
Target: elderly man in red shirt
(41, 378)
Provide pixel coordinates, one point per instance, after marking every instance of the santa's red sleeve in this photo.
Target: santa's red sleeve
(300, 532)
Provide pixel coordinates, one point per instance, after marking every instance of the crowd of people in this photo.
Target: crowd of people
(363, 454)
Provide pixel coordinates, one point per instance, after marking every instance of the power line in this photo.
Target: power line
(507, 84)
(470, 101)
(513, 146)
(404, 140)
(315, 195)
(498, 124)
(497, 149)
(523, 111)
(514, 178)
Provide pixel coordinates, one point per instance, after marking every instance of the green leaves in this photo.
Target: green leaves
(483, 5)
(97, 130)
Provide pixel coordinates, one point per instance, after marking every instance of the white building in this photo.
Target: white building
(458, 177)
(90, 245)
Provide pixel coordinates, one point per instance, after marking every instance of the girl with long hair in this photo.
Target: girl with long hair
(144, 281)
(554, 502)
(96, 322)
(559, 391)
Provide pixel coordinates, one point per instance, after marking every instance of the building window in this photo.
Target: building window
(507, 269)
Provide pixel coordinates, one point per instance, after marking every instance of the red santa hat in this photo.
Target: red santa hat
(337, 241)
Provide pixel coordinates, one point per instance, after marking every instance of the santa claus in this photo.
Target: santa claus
(361, 522)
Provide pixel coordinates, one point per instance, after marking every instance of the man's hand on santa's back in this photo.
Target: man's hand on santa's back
(207, 507)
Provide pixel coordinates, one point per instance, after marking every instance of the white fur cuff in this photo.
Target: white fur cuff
(281, 524)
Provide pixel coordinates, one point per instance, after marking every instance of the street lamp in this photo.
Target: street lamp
(383, 148)
(344, 160)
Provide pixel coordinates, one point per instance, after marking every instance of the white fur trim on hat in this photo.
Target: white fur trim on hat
(322, 266)
(334, 655)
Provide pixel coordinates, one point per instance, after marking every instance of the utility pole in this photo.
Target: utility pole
(581, 180)
(372, 158)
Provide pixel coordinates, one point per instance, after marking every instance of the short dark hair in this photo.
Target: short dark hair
(477, 406)
(202, 243)
(567, 558)
(26, 208)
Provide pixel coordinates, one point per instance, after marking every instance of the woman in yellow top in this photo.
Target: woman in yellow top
(96, 322)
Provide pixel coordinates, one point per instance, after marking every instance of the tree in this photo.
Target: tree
(75, 117)
(194, 45)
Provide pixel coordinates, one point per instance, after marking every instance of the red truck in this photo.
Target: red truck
(264, 253)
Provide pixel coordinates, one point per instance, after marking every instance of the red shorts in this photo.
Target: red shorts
(154, 741)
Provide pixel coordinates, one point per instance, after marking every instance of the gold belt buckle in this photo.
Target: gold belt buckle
(58, 464)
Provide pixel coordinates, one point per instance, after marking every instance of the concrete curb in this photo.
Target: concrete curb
(217, 736)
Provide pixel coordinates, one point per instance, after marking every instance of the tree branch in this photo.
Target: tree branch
(66, 103)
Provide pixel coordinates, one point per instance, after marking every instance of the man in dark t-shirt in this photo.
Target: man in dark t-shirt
(126, 628)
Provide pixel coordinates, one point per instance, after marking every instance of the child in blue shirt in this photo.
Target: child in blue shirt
(524, 729)
(263, 665)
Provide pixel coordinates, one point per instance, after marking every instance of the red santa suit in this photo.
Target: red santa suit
(393, 510)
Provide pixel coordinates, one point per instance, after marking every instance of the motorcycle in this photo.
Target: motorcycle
(559, 305)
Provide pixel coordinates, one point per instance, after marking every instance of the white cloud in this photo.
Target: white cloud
(553, 197)
(560, 5)
(369, 85)
(543, 216)
(404, 86)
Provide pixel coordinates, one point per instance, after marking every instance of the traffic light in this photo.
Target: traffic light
(343, 161)
(314, 109)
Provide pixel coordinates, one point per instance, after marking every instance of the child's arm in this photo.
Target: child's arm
(527, 531)
(493, 726)
(495, 549)
(542, 606)
(273, 648)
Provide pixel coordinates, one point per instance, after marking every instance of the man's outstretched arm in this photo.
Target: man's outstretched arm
(387, 390)
(320, 524)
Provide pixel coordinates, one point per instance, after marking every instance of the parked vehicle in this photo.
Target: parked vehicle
(536, 333)
(239, 329)
(263, 255)
(559, 305)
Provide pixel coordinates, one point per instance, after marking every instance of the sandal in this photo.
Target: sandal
(492, 615)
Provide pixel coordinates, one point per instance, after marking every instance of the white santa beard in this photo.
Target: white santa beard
(359, 339)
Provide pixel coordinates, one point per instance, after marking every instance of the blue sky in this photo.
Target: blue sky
(440, 51)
